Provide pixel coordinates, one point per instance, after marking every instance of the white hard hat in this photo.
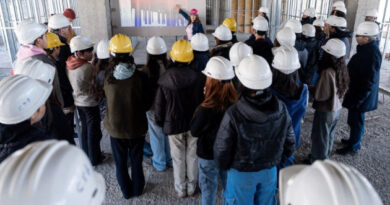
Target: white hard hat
(50, 172)
(58, 21)
(28, 31)
(239, 51)
(372, 12)
(223, 33)
(335, 47)
(336, 21)
(338, 3)
(286, 36)
(260, 24)
(102, 51)
(310, 12)
(295, 25)
(156, 46)
(341, 8)
(200, 42)
(37, 70)
(264, 10)
(20, 97)
(323, 183)
(254, 72)
(286, 60)
(367, 28)
(318, 22)
(79, 43)
(219, 68)
(308, 30)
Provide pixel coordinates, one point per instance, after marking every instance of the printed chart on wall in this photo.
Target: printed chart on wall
(151, 13)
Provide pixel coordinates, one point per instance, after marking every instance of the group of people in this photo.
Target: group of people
(231, 113)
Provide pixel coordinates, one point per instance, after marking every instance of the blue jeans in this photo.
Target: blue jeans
(322, 134)
(208, 180)
(132, 148)
(91, 133)
(159, 143)
(251, 187)
(356, 124)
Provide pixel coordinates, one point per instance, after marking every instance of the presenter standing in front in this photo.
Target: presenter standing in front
(194, 25)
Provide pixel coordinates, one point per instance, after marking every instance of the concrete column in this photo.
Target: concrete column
(240, 15)
(95, 19)
(248, 15)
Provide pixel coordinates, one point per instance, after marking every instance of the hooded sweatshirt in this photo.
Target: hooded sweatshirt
(80, 74)
(31, 52)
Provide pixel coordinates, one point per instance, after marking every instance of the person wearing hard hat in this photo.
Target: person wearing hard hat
(80, 74)
(328, 93)
(335, 27)
(194, 25)
(200, 46)
(22, 106)
(300, 44)
(264, 12)
(219, 95)
(251, 158)
(362, 95)
(307, 73)
(232, 25)
(71, 16)
(156, 65)
(309, 16)
(54, 121)
(320, 34)
(287, 87)
(127, 91)
(261, 44)
(284, 37)
(50, 172)
(238, 52)
(339, 9)
(60, 25)
(323, 183)
(372, 15)
(223, 41)
(100, 63)
(178, 95)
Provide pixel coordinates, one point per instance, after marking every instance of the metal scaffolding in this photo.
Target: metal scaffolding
(14, 11)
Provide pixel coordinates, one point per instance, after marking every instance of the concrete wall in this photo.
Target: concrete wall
(95, 19)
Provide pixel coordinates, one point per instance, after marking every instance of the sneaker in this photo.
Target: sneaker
(346, 150)
(181, 194)
(191, 190)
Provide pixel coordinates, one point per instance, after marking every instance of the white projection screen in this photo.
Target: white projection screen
(153, 17)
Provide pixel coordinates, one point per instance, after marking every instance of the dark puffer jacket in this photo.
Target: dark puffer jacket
(307, 73)
(222, 50)
(17, 136)
(180, 92)
(261, 47)
(255, 134)
(200, 60)
(364, 68)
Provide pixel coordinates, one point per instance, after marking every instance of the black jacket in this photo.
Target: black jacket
(307, 72)
(261, 47)
(66, 88)
(343, 36)
(255, 134)
(222, 50)
(363, 68)
(205, 125)
(179, 93)
(17, 136)
(200, 60)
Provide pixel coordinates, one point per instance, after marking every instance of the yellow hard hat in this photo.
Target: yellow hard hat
(53, 41)
(120, 43)
(182, 51)
(230, 23)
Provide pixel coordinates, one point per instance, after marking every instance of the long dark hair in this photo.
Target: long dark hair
(196, 20)
(286, 85)
(152, 67)
(339, 65)
(114, 61)
(100, 65)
